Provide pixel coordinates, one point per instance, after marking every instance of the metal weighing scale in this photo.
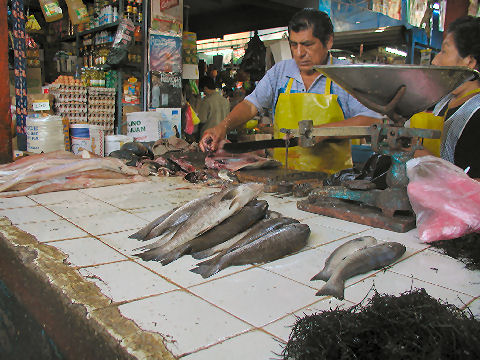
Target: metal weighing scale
(397, 92)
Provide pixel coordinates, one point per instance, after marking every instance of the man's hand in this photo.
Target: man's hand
(211, 137)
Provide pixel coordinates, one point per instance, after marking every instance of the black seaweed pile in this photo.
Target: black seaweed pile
(465, 248)
(411, 326)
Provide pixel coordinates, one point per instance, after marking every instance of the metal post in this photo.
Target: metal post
(5, 121)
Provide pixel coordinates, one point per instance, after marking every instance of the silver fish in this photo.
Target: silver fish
(177, 217)
(213, 211)
(273, 245)
(143, 232)
(360, 262)
(341, 253)
(239, 222)
(258, 230)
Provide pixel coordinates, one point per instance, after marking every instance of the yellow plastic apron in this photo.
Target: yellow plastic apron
(322, 109)
(427, 120)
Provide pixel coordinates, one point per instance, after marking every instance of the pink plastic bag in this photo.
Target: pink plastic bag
(445, 200)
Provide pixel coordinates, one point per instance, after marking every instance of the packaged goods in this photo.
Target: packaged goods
(51, 10)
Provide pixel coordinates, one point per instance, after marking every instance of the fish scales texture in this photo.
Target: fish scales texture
(361, 262)
(242, 220)
(177, 217)
(273, 245)
(341, 253)
(216, 209)
(258, 230)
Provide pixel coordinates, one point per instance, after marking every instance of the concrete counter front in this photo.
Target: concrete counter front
(67, 258)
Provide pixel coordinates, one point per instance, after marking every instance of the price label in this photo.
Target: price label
(41, 105)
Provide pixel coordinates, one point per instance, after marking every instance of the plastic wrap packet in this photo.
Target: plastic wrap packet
(122, 42)
(445, 200)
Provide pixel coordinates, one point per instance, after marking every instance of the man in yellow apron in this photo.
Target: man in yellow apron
(297, 92)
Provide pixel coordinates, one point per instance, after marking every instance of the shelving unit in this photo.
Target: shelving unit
(136, 69)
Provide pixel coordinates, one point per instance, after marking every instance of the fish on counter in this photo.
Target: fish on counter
(258, 230)
(340, 253)
(237, 223)
(209, 213)
(360, 262)
(271, 246)
(61, 170)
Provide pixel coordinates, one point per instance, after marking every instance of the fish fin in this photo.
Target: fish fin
(229, 195)
(200, 254)
(175, 254)
(320, 276)
(156, 254)
(205, 270)
(333, 288)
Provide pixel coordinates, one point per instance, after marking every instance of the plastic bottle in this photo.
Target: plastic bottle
(51, 10)
(115, 14)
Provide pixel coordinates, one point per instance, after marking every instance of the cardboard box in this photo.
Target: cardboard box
(40, 104)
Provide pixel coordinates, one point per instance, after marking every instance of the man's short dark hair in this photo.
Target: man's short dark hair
(209, 83)
(319, 21)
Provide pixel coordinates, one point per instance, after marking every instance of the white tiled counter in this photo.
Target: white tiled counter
(138, 307)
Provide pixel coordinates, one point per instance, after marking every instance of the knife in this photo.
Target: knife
(243, 147)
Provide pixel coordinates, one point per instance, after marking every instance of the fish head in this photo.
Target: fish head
(396, 248)
(243, 193)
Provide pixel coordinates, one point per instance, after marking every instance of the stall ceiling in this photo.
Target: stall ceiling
(215, 18)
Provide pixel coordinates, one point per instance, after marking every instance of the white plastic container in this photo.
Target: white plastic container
(44, 134)
(80, 136)
(144, 125)
(115, 142)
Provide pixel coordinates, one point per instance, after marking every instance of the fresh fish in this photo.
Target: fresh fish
(271, 214)
(178, 217)
(143, 232)
(341, 253)
(212, 211)
(258, 230)
(231, 226)
(361, 261)
(273, 245)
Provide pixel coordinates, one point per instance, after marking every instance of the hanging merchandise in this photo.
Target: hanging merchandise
(77, 11)
(51, 10)
(253, 61)
(123, 40)
(189, 48)
(32, 24)
(165, 52)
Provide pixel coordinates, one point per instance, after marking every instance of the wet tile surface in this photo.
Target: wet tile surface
(244, 311)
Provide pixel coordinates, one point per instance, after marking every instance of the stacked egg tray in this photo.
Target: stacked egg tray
(101, 108)
(70, 102)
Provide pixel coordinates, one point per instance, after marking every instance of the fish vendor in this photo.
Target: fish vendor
(295, 91)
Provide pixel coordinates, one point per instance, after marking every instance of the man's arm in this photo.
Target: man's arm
(240, 114)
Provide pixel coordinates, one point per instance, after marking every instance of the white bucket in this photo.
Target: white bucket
(97, 139)
(80, 135)
(144, 125)
(115, 142)
(44, 134)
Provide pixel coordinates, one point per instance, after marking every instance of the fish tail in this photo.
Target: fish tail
(154, 254)
(320, 276)
(206, 270)
(333, 288)
(200, 254)
(174, 255)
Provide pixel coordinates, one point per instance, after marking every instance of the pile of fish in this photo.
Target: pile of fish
(176, 157)
(62, 170)
(230, 223)
(355, 257)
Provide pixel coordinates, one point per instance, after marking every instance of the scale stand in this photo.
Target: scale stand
(359, 200)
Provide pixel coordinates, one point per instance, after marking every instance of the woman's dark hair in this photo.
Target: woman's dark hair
(310, 18)
(466, 34)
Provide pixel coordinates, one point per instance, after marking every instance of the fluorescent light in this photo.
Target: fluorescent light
(342, 58)
(381, 29)
(436, 6)
(352, 56)
(396, 51)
